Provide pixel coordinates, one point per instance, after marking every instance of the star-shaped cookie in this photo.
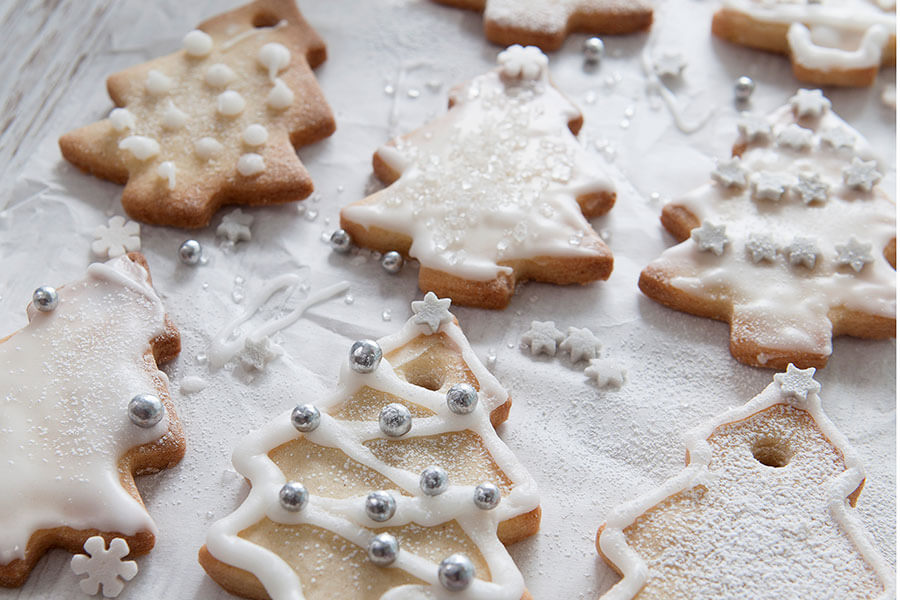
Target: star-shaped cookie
(216, 122)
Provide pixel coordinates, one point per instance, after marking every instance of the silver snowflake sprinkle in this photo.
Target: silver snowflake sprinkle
(605, 373)
(854, 254)
(803, 251)
(754, 128)
(432, 312)
(838, 137)
(542, 337)
(235, 226)
(771, 185)
(861, 174)
(730, 173)
(811, 188)
(669, 64)
(761, 247)
(710, 237)
(581, 344)
(797, 382)
(104, 568)
(809, 103)
(795, 137)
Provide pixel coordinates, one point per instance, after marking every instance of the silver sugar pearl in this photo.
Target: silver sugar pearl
(486, 496)
(190, 252)
(456, 572)
(462, 398)
(593, 50)
(340, 241)
(383, 549)
(392, 262)
(365, 356)
(45, 298)
(305, 418)
(395, 420)
(743, 88)
(146, 410)
(434, 481)
(380, 506)
(293, 496)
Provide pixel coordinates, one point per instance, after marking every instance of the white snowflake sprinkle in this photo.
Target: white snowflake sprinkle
(811, 188)
(542, 337)
(116, 238)
(754, 128)
(104, 568)
(235, 226)
(517, 62)
(803, 251)
(605, 373)
(669, 63)
(771, 185)
(797, 382)
(795, 137)
(710, 237)
(432, 312)
(854, 254)
(730, 173)
(809, 103)
(838, 137)
(861, 175)
(258, 353)
(761, 247)
(581, 344)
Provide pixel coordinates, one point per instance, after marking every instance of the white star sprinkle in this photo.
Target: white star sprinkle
(581, 344)
(854, 254)
(730, 173)
(605, 373)
(104, 568)
(770, 185)
(432, 312)
(754, 128)
(116, 238)
(838, 137)
(761, 247)
(811, 188)
(669, 64)
(710, 237)
(795, 137)
(235, 226)
(803, 251)
(258, 353)
(542, 337)
(861, 175)
(797, 382)
(809, 103)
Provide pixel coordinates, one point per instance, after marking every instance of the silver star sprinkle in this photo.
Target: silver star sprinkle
(754, 128)
(809, 103)
(795, 137)
(839, 137)
(669, 64)
(235, 226)
(811, 188)
(605, 373)
(543, 337)
(710, 237)
(854, 254)
(432, 312)
(761, 247)
(730, 173)
(770, 185)
(797, 382)
(803, 251)
(581, 344)
(861, 175)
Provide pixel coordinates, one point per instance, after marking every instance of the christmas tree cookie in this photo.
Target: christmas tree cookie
(792, 243)
(84, 409)
(493, 192)
(396, 486)
(214, 123)
(762, 510)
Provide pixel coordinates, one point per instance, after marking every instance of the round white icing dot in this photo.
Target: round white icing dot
(280, 97)
(219, 75)
(197, 43)
(207, 147)
(173, 117)
(157, 83)
(274, 57)
(121, 119)
(250, 164)
(230, 103)
(142, 147)
(166, 170)
(255, 135)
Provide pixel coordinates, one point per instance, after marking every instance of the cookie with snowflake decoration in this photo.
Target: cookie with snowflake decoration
(546, 23)
(763, 509)
(829, 43)
(792, 243)
(75, 433)
(215, 123)
(396, 485)
(495, 191)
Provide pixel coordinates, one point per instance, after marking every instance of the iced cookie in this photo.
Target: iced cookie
(762, 510)
(792, 243)
(396, 486)
(836, 42)
(493, 192)
(84, 410)
(214, 123)
(546, 23)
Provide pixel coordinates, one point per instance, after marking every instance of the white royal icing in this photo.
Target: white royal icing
(207, 147)
(280, 96)
(166, 172)
(790, 303)
(755, 531)
(255, 135)
(346, 517)
(274, 57)
(494, 179)
(219, 75)
(544, 16)
(251, 164)
(197, 43)
(157, 83)
(121, 119)
(230, 103)
(173, 117)
(68, 377)
(140, 146)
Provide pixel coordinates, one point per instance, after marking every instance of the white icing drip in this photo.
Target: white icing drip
(346, 517)
(157, 83)
(280, 96)
(197, 43)
(173, 117)
(814, 56)
(230, 43)
(655, 84)
(255, 135)
(121, 119)
(65, 420)
(251, 164)
(219, 75)
(225, 345)
(230, 103)
(166, 171)
(274, 57)
(140, 146)
(207, 147)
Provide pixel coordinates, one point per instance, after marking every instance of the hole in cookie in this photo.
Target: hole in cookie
(265, 19)
(772, 452)
(432, 379)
